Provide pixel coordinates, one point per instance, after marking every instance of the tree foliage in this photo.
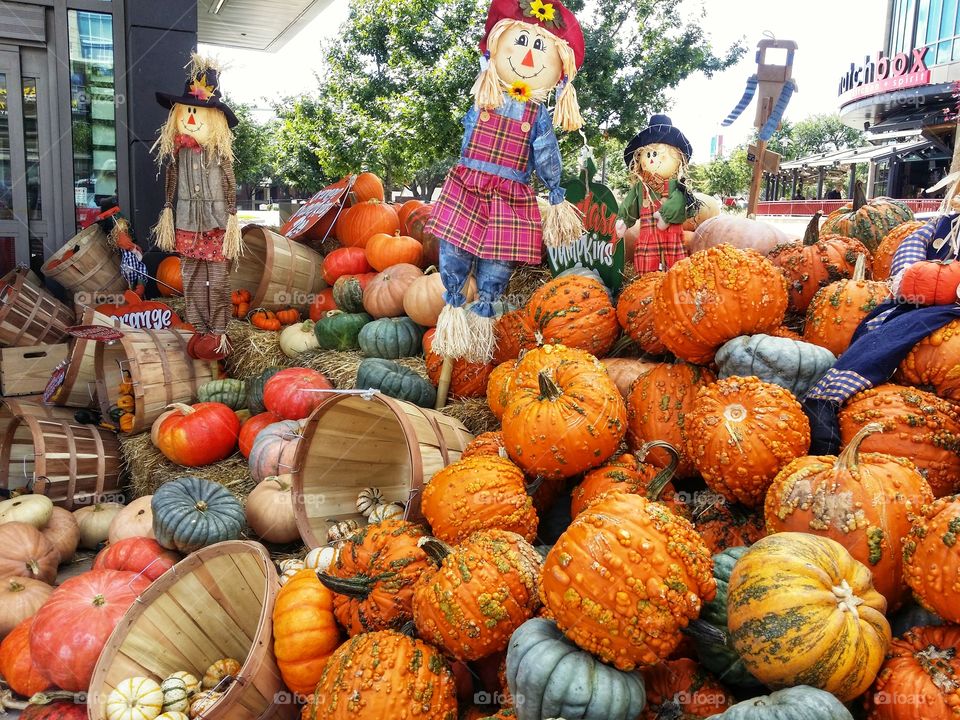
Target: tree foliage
(725, 175)
(400, 72)
(814, 135)
(251, 146)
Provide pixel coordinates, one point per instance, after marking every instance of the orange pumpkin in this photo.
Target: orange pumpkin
(322, 303)
(931, 282)
(864, 501)
(883, 256)
(741, 433)
(357, 224)
(916, 425)
(565, 415)
(169, 278)
(478, 594)
(305, 632)
(383, 295)
(682, 689)
(513, 332)
(384, 251)
(469, 379)
(480, 492)
(367, 186)
(658, 406)
(722, 525)
(499, 387)
(714, 296)
(199, 434)
(574, 311)
(405, 211)
(488, 443)
(837, 310)
(816, 261)
(931, 558)
(625, 578)
(933, 363)
(16, 663)
(373, 576)
(635, 312)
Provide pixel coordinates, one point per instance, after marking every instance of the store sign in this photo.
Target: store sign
(884, 74)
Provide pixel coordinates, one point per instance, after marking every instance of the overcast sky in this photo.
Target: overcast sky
(830, 33)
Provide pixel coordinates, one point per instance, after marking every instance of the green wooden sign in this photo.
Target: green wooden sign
(598, 249)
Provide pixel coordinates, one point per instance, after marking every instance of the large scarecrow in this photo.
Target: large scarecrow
(659, 201)
(487, 217)
(199, 217)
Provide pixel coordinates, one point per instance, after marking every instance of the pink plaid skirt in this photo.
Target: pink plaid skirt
(488, 216)
(658, 249)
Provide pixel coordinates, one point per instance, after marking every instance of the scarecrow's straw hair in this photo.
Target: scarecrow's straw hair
(488, 88)
(221, 137)
(637, 172)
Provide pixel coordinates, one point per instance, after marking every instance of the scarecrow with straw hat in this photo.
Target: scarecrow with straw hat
(488, 218)
(196, 146)
(659, 202)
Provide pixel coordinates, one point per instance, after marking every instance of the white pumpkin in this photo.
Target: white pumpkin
(368, 499)
(386, 511)
(31, 509)
(136, 698)
(298, 338)
(176, 697)
(188, 679)
(135, 520)
(94, 521)
(173, 715)
(270, 510)
(289, 568)
(321, 558)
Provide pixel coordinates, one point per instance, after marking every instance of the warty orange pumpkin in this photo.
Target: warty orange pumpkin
(802, 611)
(934, 363)
(480, 492)
(864, 501)
(635, 312)
(682, 689)
(625, 578)
(741, 432)
(723, 525)
(499, 387)
(479, 592)
(714, 296)
(574, 311)
(468, 380)
(488, 443)
(513, 332)
(883, 255)
(931, 558)
(565, 415)
(916, 425)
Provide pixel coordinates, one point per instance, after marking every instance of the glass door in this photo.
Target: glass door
(14, 222)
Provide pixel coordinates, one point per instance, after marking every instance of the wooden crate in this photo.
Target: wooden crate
(27, 370)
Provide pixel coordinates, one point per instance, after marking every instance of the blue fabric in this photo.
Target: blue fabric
(882, 341)
(747, 98)
(492, 277)
(132, 268)
(773, 122)
(544, 149)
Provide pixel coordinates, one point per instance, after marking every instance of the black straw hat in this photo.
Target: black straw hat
(201, 90)
(660, 130)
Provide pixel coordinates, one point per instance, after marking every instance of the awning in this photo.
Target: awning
(914, 119)
(254, 24)
(856, 156)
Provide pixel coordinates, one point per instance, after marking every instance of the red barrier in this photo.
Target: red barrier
(809, 207)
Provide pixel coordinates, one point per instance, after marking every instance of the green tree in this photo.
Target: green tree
(400, 72)
(723, 176)
(814, 135)
(251, 146)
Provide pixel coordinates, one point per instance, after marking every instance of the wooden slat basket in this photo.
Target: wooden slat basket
(93, 269)
(29, 315)
(353, 441)
(79, 388)
(216, 603)
(156, 362)
(278, 272)
(45, 446)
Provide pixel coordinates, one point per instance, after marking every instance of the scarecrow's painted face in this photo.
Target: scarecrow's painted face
(659, 160)
(527, 53)
(195, 122)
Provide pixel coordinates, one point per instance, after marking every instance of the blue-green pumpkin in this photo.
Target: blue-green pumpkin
(190, 513)
(254, 390)
(709, 632)
(339, 330)
(556, 679)
(391, 338)
(229, 391)
(395, 380)
(795, 703)
(791, 364)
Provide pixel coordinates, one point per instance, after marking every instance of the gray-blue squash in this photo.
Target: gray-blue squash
(556, 679)
(397, 381)
(796, 703)
(190, 513)
(709, 632)
(792, 364)
(391, 338)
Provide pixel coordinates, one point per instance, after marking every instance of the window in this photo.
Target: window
(94, 110)
(938, 27)
(901, 26)
(880, 178)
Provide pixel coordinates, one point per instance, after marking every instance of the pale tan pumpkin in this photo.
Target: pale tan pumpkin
(31, 509)
(270, 510)
(423, 300)
(135, 520)
(63, 532)
(94, 521)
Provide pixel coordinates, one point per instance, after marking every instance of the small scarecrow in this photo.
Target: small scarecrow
(659, 201)
(487, 217)
(196, 146)
(117, 229)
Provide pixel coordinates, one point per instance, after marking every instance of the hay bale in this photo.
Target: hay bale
(474, 413)
(177, 304)
(254, 350)
(148, 469)
(524, 282)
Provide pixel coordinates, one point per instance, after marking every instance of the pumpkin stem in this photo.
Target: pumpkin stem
(534, 485)
(409, 628)
(283, 484)
(845, 598)
(812, 234)
(357, 587)
(706, 633)
(14, 586)
(33, 568)
(934, 661)
(663, 477)
(850, 457)
(548, 388)
(99, 600)
(859, 196)
(435, 548)
(860, 269)
(182, 408)
(201, 505)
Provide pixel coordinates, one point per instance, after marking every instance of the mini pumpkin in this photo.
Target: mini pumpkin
(385, 511)
(368, 499)
(136, 698)
(215, 674)
(176, 696)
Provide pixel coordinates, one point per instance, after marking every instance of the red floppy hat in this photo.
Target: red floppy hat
(551, 15)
